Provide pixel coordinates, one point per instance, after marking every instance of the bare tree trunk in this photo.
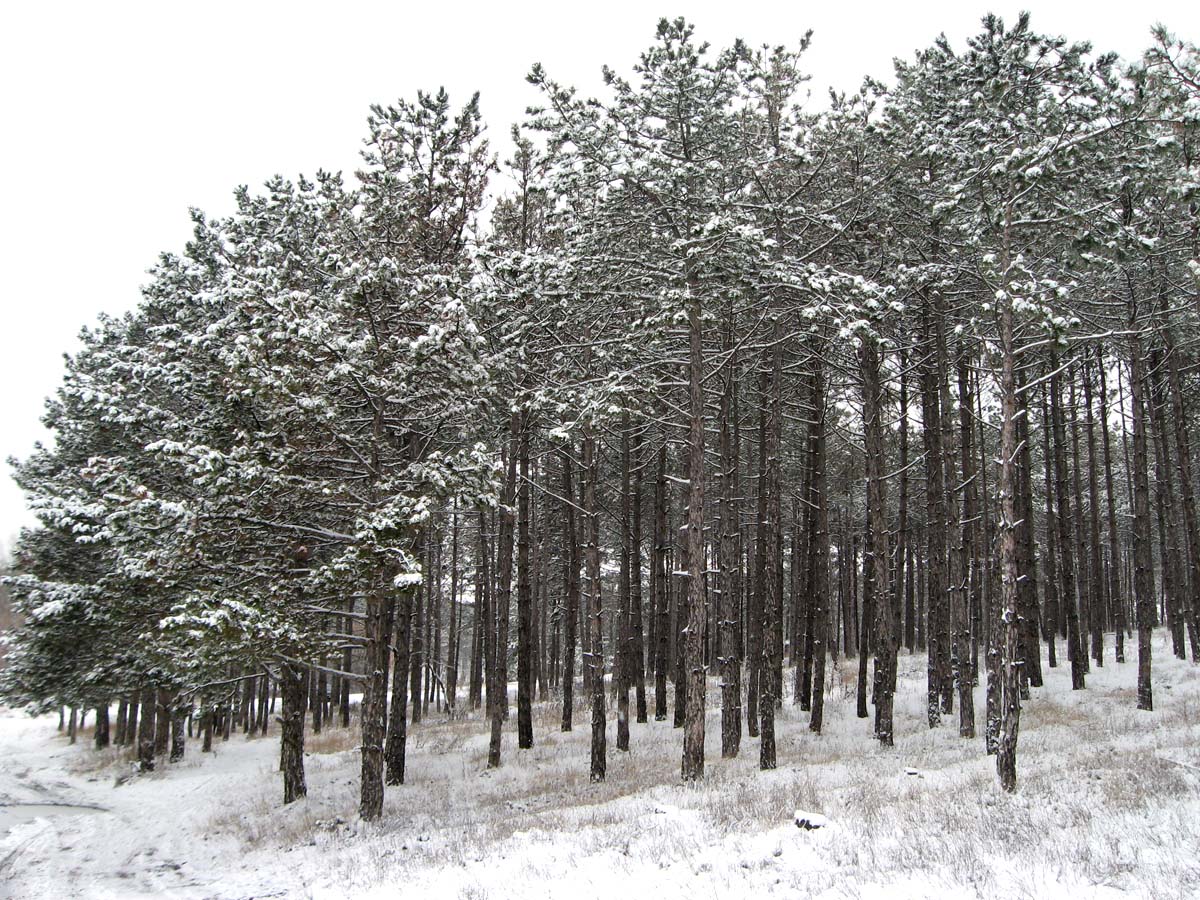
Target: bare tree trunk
(455, 633)
(818, 562)
(178, 731)
(621, 662)
(937, 630)
(661, 584)
(1027, 562)
(728, 660)
(1116, 600)
(397, 730)
(1082, 559)
(1011, 653)
(487, 613)
(692, 766)
(291, 735)
(347, 665)
(504, 567)
(380, 614)
(146, 731)
(884, 638)
(1143, 577)
(162, 721)
(1097, 567)
(773, 595)
(1051, 611)
(1190, 609)
(100, 738)
(637, 650)
(595, 658)
(1065, 545)
(758, 575)
(525, 634)
(971, 544)
(903, 599)
(571, 580)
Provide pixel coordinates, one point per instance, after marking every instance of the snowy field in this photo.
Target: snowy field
(1108, 805)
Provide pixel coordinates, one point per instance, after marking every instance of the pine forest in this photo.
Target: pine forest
(721, 489)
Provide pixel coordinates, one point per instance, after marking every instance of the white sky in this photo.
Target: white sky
(118, 116)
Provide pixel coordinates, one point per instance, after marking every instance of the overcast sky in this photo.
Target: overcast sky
(119, 116)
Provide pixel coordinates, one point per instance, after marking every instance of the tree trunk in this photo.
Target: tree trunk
(1065, 544)
(1096, 617)
(595, 658)
(692, 766)
(525, 634)
(397, 730)
(727, 659)
(1115, 598)
(1051, 612)
(101, 738)
(378, 633)
(162, 722)
(637, 649)
(291, 737)
(937, 630)
(571, 559)
(146, 731)
(1010, 634)
(818, 553)
(661, 585)
(884, 638)
(1143, 572)
(504, 567)
(773, 595)
(621, 661)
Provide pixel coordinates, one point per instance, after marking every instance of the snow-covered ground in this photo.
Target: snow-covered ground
(1108, 805)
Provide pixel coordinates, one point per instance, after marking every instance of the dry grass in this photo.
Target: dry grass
(95, 762)
(1098, 804)
(333, 740)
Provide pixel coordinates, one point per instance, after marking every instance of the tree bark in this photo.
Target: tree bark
(692, 766)
(397, 730)
(525, 634)
(571, 564)
(380, 613)
(884, 638)
(595, 658)
(291, 737)
(1143, 572)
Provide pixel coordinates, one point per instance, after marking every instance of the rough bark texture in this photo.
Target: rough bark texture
(504, 567)
(571, 563)
(621, 652)
(937, 635)
(885, 637)
(595, 659)
(692, 766)
(1065, 543)
(728, 612)
(291, 735)
(145, 735)
(1011, 652)
(378, 633)
(818, 562)
(661, 585)
(525, 635)
(1115, 598)
(772, 601)
(1143, 573)
(397, 730)
(101, 736)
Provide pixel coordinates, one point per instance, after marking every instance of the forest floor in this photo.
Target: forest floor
(1108, 805)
